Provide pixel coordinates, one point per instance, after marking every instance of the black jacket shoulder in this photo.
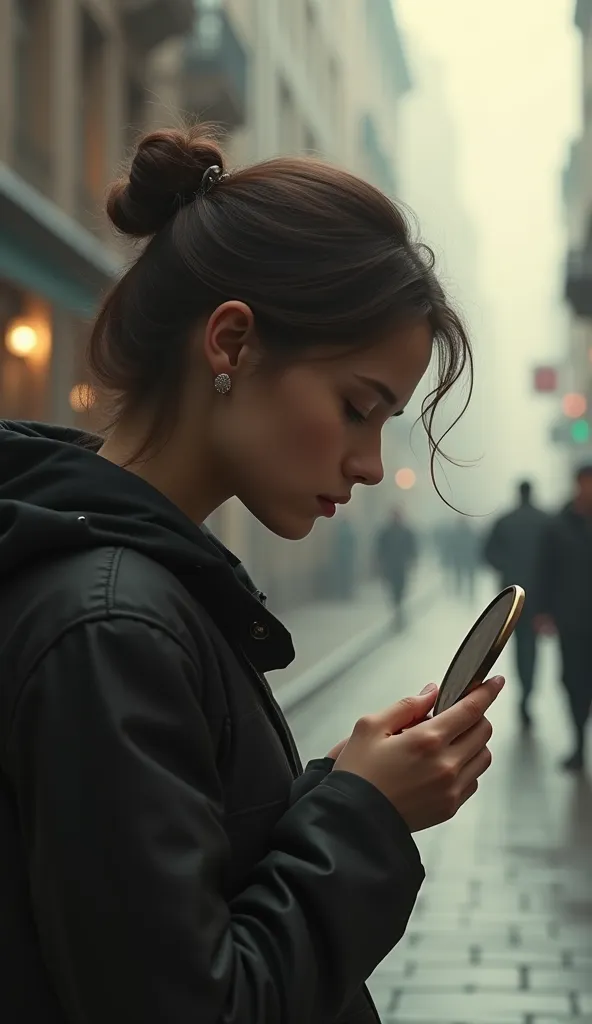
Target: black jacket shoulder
(68, 588)
(61, 593)
(158, 859)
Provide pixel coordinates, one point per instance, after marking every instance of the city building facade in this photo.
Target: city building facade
(72, 83)
(573, 427)
(78, 80)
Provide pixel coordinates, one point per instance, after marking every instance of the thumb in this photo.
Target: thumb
(411, 709)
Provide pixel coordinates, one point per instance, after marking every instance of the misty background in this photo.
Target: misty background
(486, 132)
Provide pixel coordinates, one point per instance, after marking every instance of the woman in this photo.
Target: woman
(164, 859)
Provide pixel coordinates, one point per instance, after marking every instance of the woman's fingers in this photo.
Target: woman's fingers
(474, 769)
(467, 746)
(463, 716)
(468, 793)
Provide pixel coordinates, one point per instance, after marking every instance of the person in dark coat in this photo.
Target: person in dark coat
(163, 857)
(441, 548)
(513, 550)
(396, 556)
(463, 556)
(564, 604)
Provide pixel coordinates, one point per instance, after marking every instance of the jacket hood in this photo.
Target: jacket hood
(57, 494)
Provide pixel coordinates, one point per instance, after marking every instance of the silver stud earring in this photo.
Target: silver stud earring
(222, 383)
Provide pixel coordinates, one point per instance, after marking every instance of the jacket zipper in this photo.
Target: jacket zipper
(277, 718)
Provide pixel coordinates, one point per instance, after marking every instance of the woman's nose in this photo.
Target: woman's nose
(366, 469)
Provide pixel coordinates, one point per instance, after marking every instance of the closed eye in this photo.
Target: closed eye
(353, 415)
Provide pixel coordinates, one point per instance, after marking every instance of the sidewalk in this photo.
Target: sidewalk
(502, 933)
(331, 635)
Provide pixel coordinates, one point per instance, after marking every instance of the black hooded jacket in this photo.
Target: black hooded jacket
(162, 858)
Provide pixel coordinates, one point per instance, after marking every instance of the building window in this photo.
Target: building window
(92, 158)
(32, 135)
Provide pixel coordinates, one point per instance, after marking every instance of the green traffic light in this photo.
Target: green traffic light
(580, 431)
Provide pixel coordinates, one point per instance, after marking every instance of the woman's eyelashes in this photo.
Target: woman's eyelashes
(353, 414)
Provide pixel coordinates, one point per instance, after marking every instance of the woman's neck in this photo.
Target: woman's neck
(180, 472)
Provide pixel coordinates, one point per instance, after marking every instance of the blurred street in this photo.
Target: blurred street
(474, 123)
(320, 628)
(502, 931)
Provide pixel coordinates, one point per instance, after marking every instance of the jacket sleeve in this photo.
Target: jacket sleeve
(314, 773)
(121, 809)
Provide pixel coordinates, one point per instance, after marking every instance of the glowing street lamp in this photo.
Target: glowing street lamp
(22, 339)
(82, 397)
(405, 479)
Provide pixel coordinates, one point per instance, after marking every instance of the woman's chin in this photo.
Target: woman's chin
(288, 527)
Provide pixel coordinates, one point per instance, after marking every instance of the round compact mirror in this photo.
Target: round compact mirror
(481, 647)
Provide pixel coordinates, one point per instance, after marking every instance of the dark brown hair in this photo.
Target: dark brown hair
(320, 257)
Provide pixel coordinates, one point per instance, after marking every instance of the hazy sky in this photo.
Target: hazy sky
(512, 80)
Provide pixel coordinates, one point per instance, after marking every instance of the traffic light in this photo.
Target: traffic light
(574, 406)
(580, 431)
(571, 432)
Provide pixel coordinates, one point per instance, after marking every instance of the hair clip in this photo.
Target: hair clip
(211, 177)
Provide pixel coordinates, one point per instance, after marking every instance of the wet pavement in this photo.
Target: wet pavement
(503, 928)
(319, 627)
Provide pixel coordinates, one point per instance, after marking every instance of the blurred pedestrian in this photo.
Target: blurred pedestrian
(396, 557)
(513, 549)
(441, 549)
(564, 603)
(164, 856)
(463, 557)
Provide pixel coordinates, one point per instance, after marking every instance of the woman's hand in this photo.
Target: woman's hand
(429, 771)
(335, 752)
(338, 748)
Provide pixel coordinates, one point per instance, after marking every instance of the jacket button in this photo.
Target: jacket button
(259, 631)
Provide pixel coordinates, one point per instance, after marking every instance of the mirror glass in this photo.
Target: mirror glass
(473, 651)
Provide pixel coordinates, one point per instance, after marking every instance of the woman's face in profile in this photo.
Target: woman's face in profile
(295, 442)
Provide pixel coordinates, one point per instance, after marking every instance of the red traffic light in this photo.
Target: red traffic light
(545, 379)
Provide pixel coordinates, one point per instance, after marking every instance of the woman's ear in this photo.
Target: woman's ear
(229, 337)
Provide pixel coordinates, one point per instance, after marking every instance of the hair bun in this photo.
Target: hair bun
(166, 173)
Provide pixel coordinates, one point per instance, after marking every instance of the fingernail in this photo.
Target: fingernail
(428, 689)
(499, 682)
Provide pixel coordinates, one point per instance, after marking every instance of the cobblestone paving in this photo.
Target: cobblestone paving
(503, 928)
(502, 933)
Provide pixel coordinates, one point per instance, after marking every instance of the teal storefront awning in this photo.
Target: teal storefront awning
(33, 274)
(46, 252)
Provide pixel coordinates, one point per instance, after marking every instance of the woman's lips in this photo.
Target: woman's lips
(328, 507)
